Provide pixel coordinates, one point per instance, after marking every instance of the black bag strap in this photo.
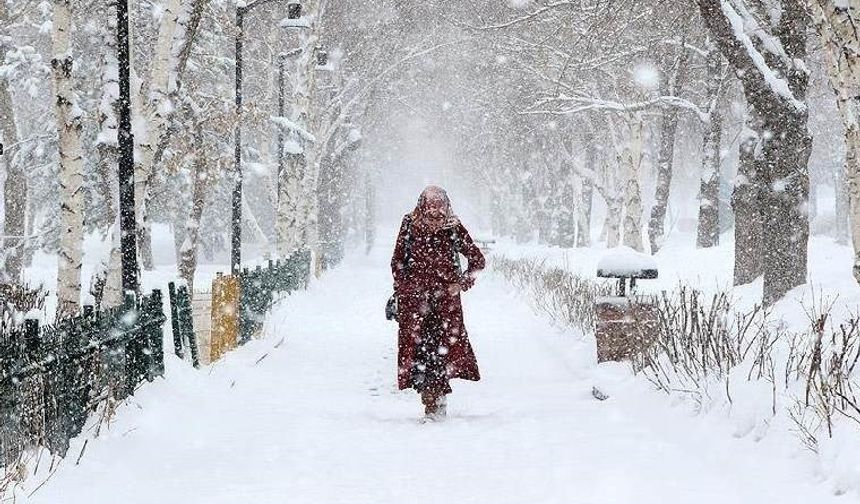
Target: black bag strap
(455, 238)
(407, 247)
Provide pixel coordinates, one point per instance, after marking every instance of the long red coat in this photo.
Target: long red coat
(422, 286)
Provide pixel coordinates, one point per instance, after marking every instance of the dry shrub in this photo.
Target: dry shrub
(568, 299)
(702, 339)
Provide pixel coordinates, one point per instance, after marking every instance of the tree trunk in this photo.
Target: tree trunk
(841, 211)
(107, 146)
(665, 158)
(775, 86)
(112, 291)
(709, 189)
(586, 197)
(784, 207)
(583, 225)
(305, 98)
(188, 251)
(71, 163)
(612, 224)
(567, 214)
(156, 108)
(15, 188)
(670, 83)
(298, 207)
(632, 193)
(745, 204)
(837, 28)
(288, 226)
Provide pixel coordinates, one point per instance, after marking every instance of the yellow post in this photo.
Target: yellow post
(225, 315)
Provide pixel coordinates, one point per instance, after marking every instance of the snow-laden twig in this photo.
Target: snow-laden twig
(288, 125)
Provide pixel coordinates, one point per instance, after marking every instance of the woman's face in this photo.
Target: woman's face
(434, 213)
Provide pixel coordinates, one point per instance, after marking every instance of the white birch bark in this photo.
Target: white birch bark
(632, 162)
(296, 224)
(156, 108)
(107, 144)
(837, 28)
(15, 185)
(68, 117)
(112, 267)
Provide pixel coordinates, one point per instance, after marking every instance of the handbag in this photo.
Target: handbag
(391, 304)
(391, 308)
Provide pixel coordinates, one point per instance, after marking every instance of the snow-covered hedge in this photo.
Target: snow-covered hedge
(769, 379)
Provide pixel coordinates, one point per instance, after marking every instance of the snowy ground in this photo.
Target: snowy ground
(310, 414)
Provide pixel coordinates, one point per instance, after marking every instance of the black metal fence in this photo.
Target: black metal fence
(182, 323)
(53, 377)
(260, 285)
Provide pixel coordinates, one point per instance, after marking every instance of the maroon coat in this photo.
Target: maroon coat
(422, 286)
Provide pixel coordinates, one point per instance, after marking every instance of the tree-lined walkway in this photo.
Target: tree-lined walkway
(310, 415)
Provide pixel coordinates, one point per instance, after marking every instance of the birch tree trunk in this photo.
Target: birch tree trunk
(296, 224)
(113, 281)
(585, 197)
(306, 100)
(612, 224)
(666, 155)
(71, 163)
(15, 188)
(583, 212)
(156, 107)
(188, 251)
(709, 188)
(632, 193)
(107, 146)
(842, 229)
(837, 28)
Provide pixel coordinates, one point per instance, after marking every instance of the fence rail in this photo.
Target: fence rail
(53, 377)
(260, 285)
(258, 290)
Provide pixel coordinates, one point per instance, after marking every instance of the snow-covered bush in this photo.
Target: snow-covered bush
(743, 364)
(566, 298)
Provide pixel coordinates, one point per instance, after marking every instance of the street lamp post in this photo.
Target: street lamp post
(282, 103)
(293, 8)
(127, 224)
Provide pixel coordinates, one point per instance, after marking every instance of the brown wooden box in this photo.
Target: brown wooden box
(626, 327)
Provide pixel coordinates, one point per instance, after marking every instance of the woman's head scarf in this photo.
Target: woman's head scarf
(435, 194)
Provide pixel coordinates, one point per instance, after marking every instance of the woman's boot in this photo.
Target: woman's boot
(441, 407)
(429, 401)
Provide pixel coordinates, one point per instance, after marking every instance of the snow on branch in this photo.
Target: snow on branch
(522, 19)
(287, 124)
(738, 24)
(575, 105)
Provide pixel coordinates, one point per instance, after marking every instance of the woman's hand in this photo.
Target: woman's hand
(454, 289)
(467, 281)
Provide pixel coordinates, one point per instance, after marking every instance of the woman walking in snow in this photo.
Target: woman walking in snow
(433, 346)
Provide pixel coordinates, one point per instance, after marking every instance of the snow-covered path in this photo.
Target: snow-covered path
(318, 420)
